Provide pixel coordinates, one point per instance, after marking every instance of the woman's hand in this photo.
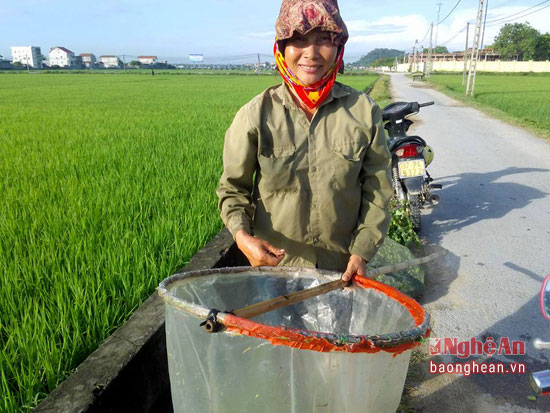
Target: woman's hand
(356, 265)
(258, 251)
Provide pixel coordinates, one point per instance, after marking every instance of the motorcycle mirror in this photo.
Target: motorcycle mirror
(545, 298)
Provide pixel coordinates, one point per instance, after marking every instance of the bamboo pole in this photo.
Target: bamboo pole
(262, 307)
(287, 299)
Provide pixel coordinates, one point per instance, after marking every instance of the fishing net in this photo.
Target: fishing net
(346, 350)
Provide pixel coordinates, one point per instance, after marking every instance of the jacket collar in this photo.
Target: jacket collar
(284, 95)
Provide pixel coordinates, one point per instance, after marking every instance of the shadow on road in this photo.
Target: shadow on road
(472, 197)
(531, 274)
(466, 199)
(439, 274)
(428, 392)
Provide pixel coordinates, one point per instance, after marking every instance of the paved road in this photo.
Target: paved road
(494, 218)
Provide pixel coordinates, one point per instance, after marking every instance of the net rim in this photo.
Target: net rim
(396, 342)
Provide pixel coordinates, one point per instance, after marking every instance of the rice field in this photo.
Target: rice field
(520, 98)
(107, 186)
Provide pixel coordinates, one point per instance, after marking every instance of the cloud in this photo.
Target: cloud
(400, 32)
(364, 27)
(453, 34)
(390, 31)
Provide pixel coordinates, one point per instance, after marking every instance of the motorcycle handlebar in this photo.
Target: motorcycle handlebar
(426, 104)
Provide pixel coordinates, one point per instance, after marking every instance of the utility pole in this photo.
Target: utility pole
(258, 69)
(124, 62)
(484, 20)
(466, 57)
(437, 26)
(428, 70)
(404, 56)
(470, 86)
(414, 66)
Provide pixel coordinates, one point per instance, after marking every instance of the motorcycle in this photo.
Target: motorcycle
(410, 156)
(540, 380)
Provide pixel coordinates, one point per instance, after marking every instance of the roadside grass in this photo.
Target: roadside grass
(108, 186)
(521, 99)
(381, 91)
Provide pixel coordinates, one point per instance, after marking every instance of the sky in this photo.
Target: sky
(226, 30)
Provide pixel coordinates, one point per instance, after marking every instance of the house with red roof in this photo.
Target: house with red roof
(147, 60)
(62, 57)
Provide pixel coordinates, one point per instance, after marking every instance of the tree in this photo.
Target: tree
(383, 61)
(542, 47)
(17, 64)
(437, 49)
(135, 63)
(516, 41)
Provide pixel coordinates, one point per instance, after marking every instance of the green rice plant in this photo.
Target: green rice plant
(107, 187)
(520, 98)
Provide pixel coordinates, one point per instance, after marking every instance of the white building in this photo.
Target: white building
(110, 61)
(88, 59)
(62, 57)
(147, 60)
(27, 55)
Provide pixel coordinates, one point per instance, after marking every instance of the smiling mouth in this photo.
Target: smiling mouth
(310, 69)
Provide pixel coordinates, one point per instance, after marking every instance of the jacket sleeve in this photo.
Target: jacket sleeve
(237, 181)
(374, 218)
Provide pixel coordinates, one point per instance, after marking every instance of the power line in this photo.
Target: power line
(452, 10)
(452, 38)
(519, 17)
(424, 38)
(519, 12)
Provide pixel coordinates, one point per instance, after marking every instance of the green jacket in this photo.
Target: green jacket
(319, 190)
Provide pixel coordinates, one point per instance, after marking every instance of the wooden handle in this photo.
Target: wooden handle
(287, 299)
(295, 297)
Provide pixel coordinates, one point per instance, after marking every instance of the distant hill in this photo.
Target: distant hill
(376, 54)
(383, 61)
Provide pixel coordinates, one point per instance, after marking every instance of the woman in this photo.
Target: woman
(306, 178)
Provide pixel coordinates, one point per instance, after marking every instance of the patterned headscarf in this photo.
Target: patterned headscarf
(303, 16)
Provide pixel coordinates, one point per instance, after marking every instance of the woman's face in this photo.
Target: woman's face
(310, 56)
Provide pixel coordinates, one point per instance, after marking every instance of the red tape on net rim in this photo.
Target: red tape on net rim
(325, 342)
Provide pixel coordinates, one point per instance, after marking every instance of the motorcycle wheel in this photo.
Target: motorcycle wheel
(415, 211)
